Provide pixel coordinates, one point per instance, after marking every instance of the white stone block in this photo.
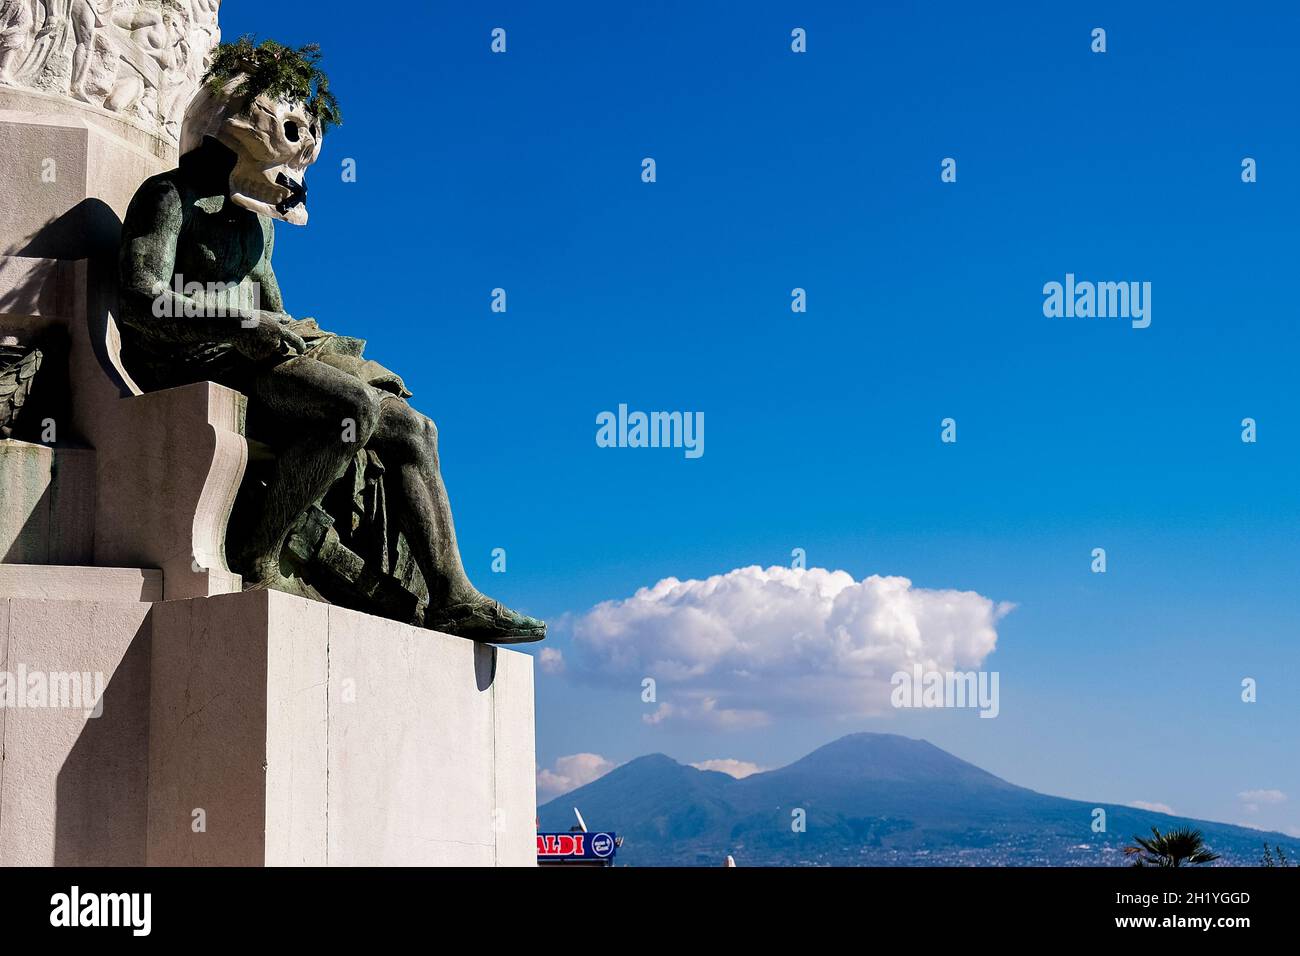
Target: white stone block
(73, 787)
(76, 583)
(47, 504)
(310, 734)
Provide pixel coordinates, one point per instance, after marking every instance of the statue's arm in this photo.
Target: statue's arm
(264, 275)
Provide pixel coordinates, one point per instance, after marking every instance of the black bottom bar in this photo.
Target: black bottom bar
(582, 906)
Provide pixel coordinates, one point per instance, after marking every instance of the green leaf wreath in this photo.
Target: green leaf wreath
(278, 71)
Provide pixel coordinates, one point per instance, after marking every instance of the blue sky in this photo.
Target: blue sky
(821, 170)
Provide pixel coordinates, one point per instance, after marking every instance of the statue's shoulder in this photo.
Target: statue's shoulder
(171, 182)
(162, 196)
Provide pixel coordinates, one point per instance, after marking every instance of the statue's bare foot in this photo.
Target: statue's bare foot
(486, 620)
(265, 574)
(258, 572)
(269, 577)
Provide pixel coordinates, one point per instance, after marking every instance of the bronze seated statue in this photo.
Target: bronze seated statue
(344, 499)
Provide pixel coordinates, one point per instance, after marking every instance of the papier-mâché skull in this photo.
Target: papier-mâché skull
(274, 141)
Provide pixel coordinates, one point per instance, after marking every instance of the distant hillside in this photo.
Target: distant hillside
(870, 800)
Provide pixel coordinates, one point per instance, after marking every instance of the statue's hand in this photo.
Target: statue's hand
(268, 337)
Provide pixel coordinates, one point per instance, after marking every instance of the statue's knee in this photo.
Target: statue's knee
(362, 415)
(421, 438)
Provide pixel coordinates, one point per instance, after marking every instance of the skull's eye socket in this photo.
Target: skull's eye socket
(291, 131)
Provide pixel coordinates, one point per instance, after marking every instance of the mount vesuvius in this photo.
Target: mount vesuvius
(867, 800)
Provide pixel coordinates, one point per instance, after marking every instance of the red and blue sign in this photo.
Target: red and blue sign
(592, 847)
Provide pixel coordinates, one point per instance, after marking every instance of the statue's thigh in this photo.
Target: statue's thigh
(304, 390)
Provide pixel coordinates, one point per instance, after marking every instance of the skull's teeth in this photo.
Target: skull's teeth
(260, 190)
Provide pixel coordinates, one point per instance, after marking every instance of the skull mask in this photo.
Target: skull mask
(274, 141)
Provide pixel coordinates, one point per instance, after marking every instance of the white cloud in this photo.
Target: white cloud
(705, 712)
(551, 660)
(572, 772)
(1253, 799)
(730, 766)
(1153, 807)
(736, 649)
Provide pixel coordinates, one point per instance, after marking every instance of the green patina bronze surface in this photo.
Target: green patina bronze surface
(344, 499)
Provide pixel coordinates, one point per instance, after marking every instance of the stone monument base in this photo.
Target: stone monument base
(251, 729)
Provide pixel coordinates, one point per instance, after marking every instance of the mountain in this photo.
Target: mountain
(867, 800)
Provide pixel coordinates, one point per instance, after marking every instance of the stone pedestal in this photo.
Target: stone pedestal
(338, 738)
(73, 787)
(257, 729)
(48, 514)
